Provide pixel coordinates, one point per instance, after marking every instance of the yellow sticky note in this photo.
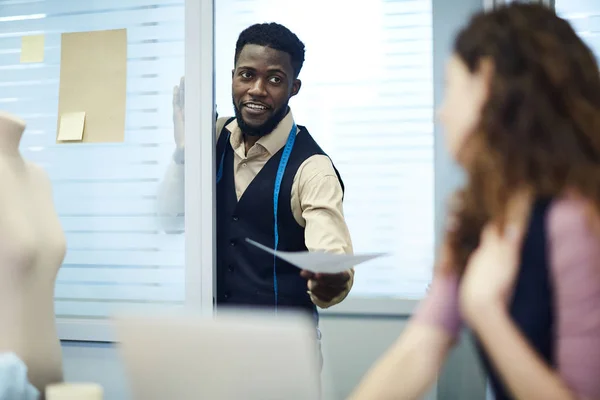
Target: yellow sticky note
(71, 127)
(32, 49)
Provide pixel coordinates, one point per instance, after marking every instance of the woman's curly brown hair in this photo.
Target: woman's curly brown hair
(540, 127)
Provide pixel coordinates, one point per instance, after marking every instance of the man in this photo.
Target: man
(264, 159)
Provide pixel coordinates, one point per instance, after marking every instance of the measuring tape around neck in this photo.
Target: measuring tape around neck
(285, 156)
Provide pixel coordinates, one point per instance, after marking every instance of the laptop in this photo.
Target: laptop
(236, 355)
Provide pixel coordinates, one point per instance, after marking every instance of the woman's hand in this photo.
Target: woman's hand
(489, 277)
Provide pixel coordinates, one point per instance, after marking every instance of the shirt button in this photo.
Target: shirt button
(230, 268)
(232, 243)
(235, 218)
(244, 165)
(226, 296)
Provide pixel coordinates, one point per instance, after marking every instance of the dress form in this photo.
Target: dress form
(32, 248)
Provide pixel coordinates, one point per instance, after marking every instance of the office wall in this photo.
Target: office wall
(351, 344)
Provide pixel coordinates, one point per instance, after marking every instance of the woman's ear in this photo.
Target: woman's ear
(483, 79)
(485, 71)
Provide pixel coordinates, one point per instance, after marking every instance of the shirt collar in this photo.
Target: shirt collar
(272, 142)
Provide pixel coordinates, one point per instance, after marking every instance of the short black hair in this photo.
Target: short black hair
(275, 36)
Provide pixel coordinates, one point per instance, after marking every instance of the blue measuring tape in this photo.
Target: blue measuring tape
(287, 150)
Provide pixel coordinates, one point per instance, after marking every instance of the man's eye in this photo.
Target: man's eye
(246, 75)
(276, 80)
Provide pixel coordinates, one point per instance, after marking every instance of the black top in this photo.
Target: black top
(532, 304)
(245, 273)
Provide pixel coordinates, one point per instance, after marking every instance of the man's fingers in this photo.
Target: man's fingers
(182, 91)
(322, 293)
(175, 96)
(307, 274)
(331, 285)
(326, 287)
(333, 279)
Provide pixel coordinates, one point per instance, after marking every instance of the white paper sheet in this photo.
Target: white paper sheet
(326, 263)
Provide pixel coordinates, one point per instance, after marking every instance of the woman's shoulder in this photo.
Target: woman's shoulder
(572, 214)
(573, 236)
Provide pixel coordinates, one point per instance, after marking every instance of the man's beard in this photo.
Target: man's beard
(267, 127)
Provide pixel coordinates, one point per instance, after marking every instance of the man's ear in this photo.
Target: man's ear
(296, 87)
(232, 73)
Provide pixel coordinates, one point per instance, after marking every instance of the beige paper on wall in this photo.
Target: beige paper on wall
(93, 80)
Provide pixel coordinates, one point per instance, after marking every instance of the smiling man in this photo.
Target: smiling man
(274, 183)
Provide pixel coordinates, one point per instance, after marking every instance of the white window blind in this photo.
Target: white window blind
(584, 15)
(104, 193)
(367, 98)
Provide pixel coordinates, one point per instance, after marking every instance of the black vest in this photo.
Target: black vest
(532, 305)
(245, 273)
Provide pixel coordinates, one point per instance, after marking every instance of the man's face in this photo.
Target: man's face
(263, 82)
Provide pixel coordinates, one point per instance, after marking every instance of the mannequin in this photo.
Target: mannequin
(32, 248)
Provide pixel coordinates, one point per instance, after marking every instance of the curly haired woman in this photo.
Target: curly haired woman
(520, 264)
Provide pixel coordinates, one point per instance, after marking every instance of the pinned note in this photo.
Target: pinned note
(93, 79)
(32, 49)
(325, 263)
(71, 127)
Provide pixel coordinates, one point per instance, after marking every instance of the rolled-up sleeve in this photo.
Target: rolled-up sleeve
(319, 194)
(440, 307)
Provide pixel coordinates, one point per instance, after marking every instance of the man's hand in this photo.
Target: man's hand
(179, 114)
(326, 287)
